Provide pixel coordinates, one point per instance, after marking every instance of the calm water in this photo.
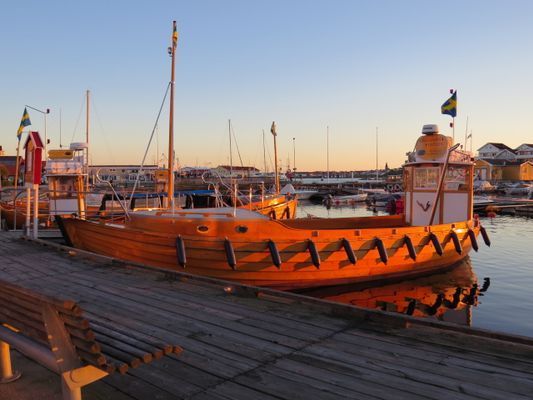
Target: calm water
(505, 302)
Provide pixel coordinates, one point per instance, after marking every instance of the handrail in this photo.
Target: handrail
(114, 193)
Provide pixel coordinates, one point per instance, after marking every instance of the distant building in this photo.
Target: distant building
(503, 170)
(492, 150)
(524, 152)
(8, 168)
(236, 171)
(122, 174)
(194, 172)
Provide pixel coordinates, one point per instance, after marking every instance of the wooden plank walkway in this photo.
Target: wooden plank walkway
(241, 343)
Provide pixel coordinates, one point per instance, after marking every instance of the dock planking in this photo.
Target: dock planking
(241, 342)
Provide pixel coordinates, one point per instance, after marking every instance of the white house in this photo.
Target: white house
(490, 150)
(505, 155)
(524, 152)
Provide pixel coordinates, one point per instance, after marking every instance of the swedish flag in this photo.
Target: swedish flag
(25, 121)
(450, 106)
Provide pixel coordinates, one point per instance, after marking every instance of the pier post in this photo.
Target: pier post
(28, 210)
(35, 210)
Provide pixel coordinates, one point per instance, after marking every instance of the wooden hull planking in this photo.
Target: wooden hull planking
(207, 255)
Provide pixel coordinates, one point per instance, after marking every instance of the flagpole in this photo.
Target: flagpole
(453, 130)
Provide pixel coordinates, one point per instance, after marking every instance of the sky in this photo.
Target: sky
(356, 67)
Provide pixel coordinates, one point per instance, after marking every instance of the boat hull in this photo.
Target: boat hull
(242, 250)
(276, 208)
(15, 217)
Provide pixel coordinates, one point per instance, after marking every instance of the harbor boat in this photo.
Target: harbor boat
(436, 231)
(347, 199)
(518, 189)
(13, 212)
(302, 194)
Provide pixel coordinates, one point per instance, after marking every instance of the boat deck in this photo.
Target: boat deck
(244, 343)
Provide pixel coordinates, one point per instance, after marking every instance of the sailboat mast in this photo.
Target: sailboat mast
(377, 164)
(276, 172)
(87, 94)
(327, 152)
(264, 153)
(172, 49)
(230, 150)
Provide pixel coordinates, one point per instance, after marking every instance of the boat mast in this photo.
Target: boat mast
(327, 153)
(264, 153)
(377, 164)
(172, 51)
(276, 173)
(230, 151)
(87, 94)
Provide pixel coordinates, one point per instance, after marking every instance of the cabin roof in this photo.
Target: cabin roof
(500, 146)
(35, 138)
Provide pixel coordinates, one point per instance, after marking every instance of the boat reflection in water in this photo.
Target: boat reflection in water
(447, 297)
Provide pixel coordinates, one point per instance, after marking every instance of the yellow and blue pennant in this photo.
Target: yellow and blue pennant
(25, 121)
(175, 36)
(450, 106)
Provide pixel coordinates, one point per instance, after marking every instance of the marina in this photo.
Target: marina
(278, 208)
(245, 342)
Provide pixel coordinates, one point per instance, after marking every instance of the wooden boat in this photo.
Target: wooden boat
(13, 213)
(241, 245)
(251, 248)
(436, 231)
(275, 207)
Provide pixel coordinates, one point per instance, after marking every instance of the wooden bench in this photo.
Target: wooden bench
(56, 334)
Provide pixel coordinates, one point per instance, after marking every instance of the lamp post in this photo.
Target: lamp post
(45, 112)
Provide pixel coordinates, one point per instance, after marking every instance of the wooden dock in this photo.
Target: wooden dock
(247, 343)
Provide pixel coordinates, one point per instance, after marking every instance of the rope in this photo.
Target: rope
(139, 172)
(78, 120)
(104, 135)
(237, 146)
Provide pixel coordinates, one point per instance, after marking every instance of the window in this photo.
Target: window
(426, 178)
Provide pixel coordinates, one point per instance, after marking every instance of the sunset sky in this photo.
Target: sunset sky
(349, 65)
